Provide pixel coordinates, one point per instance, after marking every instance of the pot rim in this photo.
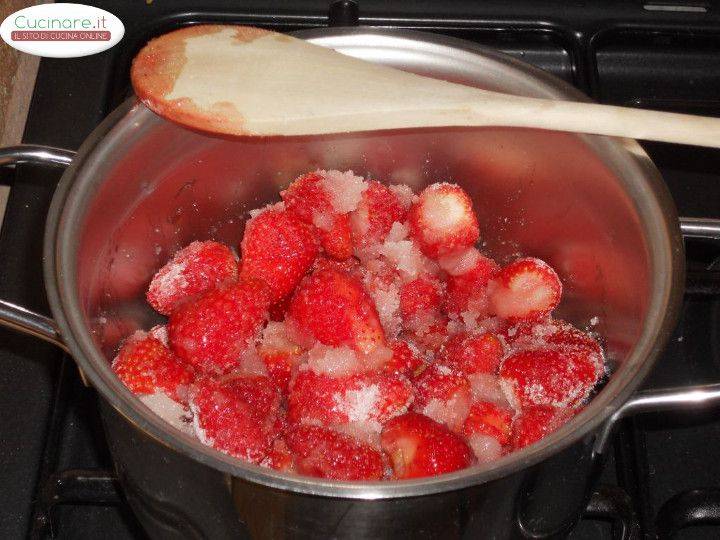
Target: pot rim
(666, 254)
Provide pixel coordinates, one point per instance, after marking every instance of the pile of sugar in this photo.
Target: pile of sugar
(169, 410)
(344, 188)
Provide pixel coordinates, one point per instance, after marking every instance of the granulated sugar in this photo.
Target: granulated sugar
(169, 410)
(333, 361)
(344, 188)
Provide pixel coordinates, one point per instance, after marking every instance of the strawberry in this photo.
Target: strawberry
(534, 423)
(278, 249)
(279, 458)
(194, 270)
(365, 397)
(418, 447)
(468, 290)
(405, 359)
(554, 332)
(489, 419)
(337, 238)
(471, 354)
(555, 377)
(442, 220)
(351, 265)
(567, 336)
(420, 298)
(324, 453)
(236, 415)
(279, 354)
(309, 198)
(527, 288)
(147, 366)
(212, 332)
(333, 307)
(443, 395)
(429, 335)
(378, 209)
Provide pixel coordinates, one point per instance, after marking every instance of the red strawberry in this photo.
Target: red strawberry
(279, 354)
(336, 240)
(555, 377)
(237, 416)
(442, 220)
(324, 453)
(379, 208)
(559, 334)
(473, 354)
(333, 307)
(418, 446)
(194, 270)
(366, 397)
(567, 336)
(429, 335)
(279, 458)
(212, 332)
(351, 265)
(420, 298)
(278, 249)
(468, 290)
(405, 360)
(489, 419)
(534, 423)
(525, 289)
(147, 366)
(309, 199)
(443, 395)
(277, 311)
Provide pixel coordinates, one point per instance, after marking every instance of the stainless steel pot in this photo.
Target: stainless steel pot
(140, 187)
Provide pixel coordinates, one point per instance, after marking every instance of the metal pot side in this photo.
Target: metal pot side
(595, 208)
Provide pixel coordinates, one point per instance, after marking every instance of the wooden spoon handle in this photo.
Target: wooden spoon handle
(604, 120)
(245, 81)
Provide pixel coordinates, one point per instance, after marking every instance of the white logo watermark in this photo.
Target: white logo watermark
(62, 30)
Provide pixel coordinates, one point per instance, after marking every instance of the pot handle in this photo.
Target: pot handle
(11, 315)
(666, 399)
(663, 399)
(706, 228)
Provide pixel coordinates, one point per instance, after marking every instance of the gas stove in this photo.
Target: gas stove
(662, 478)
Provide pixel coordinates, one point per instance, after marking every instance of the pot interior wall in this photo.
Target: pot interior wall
(159, 186)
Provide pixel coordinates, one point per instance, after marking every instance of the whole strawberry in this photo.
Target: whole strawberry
(468, 275)
(443, 394)
(418, 446)
(324, 199)
(325, 453)
(278, 249)
(534, 423)
(332, 306)
(194, 270)
(146, 366)
(212, 332)
(379, 208)
(554, 377)
(366, 397)
(472, 354)
(238, 416)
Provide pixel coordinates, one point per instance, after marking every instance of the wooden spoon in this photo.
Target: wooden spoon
(238, 80)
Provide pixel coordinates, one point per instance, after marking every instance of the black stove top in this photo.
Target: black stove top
(663, 478)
